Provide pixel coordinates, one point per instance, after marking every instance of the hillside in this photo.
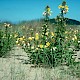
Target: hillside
(69, 21)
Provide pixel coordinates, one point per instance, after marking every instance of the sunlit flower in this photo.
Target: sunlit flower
(47, 33)
(36, 36)
(52, 33)
(66, 32)
(78, 41)
(32, 47)
(17, 39)
(41, 46)
(17, 42)
(60, 7)
(21, 39)
(47, 11)
(47, 44)
(28, 44)
(23, 42)
(30, 38)
(64, 7)
(75, 31)
(36, 48)
(6, 25)
(10, 35)
(15, 35)
(75, 37)
(54, 48)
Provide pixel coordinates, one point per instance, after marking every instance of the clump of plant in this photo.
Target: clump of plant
(76, 40)
(63, 53)
(6, 40)
(51, 48)
(40, 45)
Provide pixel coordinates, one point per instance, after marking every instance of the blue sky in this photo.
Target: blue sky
(18, 10)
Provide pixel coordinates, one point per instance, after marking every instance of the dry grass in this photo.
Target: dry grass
(13, 68)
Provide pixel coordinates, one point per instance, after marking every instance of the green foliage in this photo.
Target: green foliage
(6, 41)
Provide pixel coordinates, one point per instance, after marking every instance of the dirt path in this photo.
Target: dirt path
(12, 68)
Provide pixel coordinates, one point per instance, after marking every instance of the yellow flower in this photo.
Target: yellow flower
(36, 36)
(17, 42)
(6, 24)
(30, 38)
(48, 9)
(61, 7)
(75, 37)
(32, 47)
(15, 35)
(66, 7)
(47, 44)
(36, 48)
(17, 39)
(21, 39)
(41, 46)
(66, 32)
(10, 35)
(23, 42)
(47, 33)
(52, 33)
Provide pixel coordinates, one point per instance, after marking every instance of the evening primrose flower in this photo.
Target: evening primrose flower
(30, 38)
(78, 41)
(52, 33)
(28, 44)
(10, 35)
(41, 46)
(47, 13)
(15, 35)
(23, 42)
(75, 37)
(36, 48)
(60, 7)
(46, 33)
(6, 25)
(21, 39)
(32, 47)
(36, 36)
(66, 32)
(64, 7)
(54, 48)
(17, 42)
(47, 44)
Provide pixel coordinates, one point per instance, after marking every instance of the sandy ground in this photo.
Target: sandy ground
(13, 68)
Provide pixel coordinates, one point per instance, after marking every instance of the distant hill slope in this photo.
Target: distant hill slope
(69, 21)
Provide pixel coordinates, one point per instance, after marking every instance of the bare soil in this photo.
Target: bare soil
(13, 68)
